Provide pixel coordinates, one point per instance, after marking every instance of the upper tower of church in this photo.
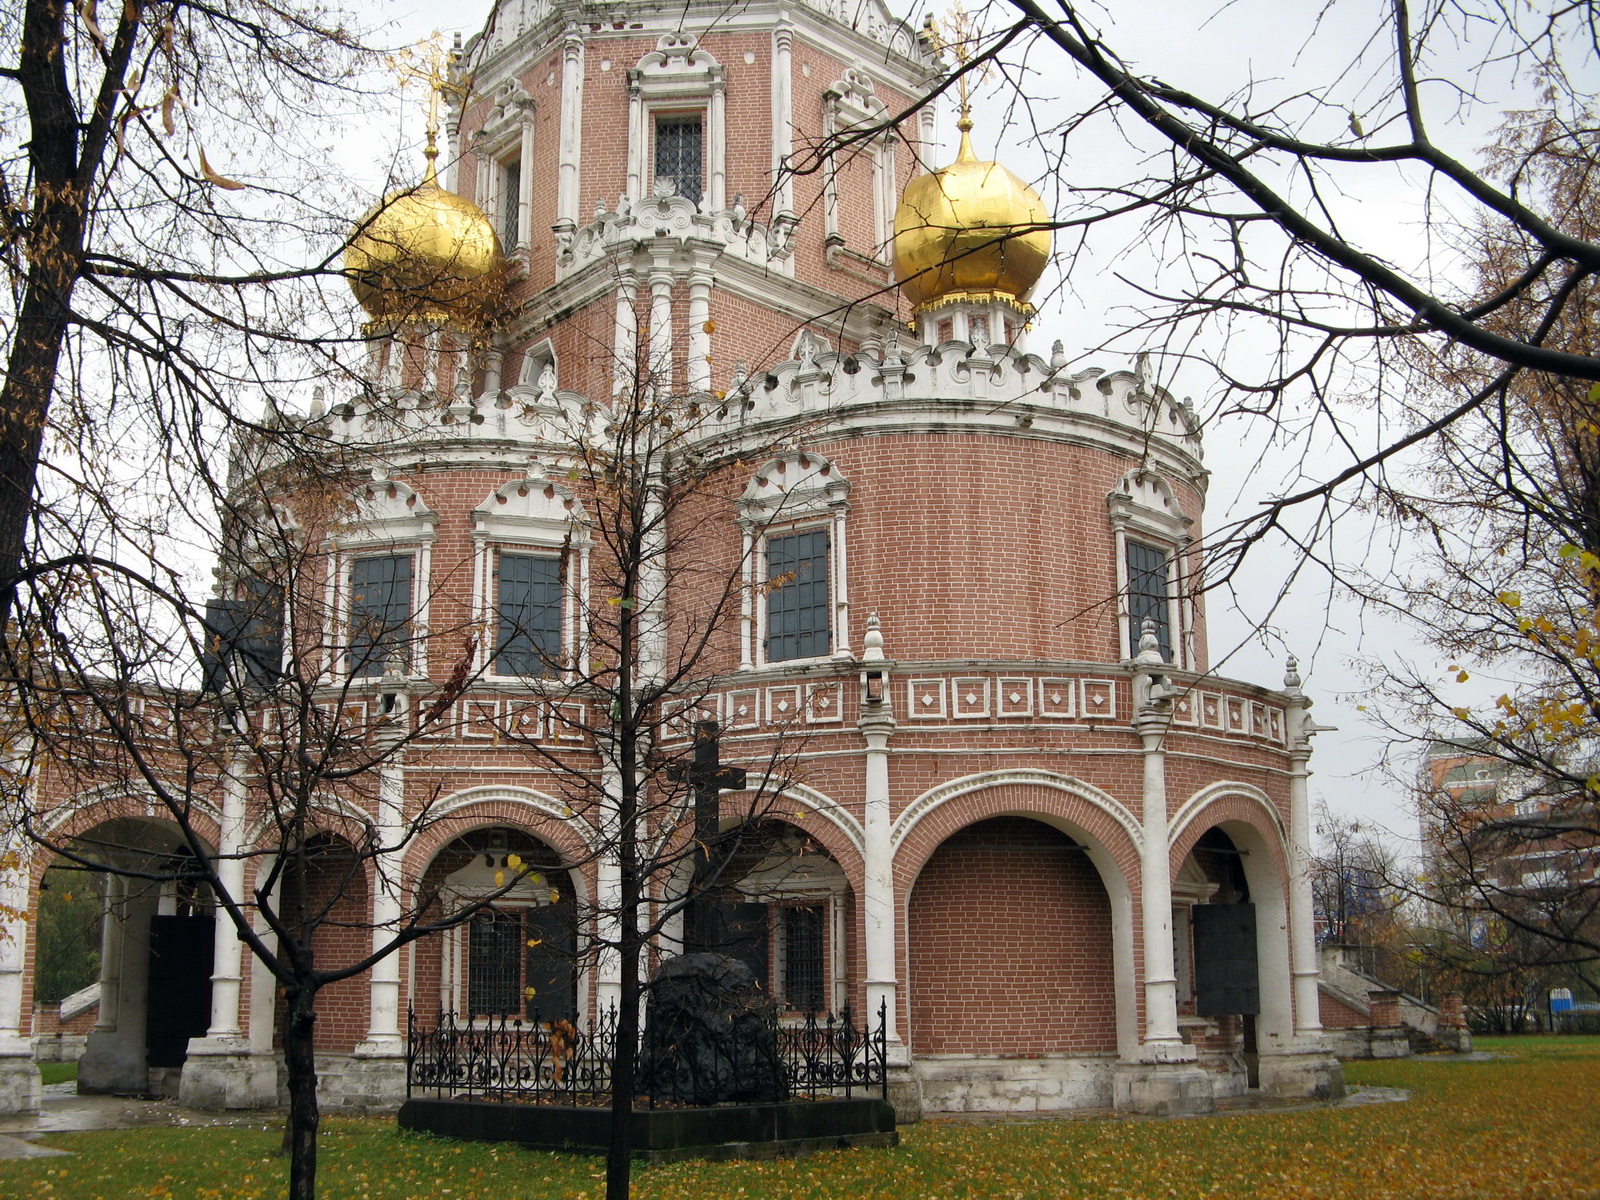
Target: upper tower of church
(630, 159)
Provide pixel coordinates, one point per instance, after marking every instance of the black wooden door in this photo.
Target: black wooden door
(1225, 975)
(179, 1001)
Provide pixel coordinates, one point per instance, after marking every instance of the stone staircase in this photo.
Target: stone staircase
(1394, 1024)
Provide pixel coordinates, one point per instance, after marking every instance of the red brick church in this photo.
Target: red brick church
(1024, 818)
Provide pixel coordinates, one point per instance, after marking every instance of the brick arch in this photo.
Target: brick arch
(1223, 804)
(1078, 805)
(534, 813)
(832, 835)
(82, 812)
(1249, 818)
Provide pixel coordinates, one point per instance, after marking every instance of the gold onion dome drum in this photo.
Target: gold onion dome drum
(953, 239)
(426, 254)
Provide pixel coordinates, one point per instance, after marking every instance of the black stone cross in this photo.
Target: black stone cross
(708, 779)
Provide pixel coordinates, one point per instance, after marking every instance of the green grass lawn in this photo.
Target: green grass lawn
(58, 1072)
(1523, 1127)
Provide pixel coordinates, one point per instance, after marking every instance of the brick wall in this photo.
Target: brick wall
(1010, 946)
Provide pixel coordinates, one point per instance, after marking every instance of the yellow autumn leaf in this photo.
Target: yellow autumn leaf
(514, 861)
(222, 181)
(499, 879)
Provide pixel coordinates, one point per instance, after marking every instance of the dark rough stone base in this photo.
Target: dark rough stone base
(665, 1134)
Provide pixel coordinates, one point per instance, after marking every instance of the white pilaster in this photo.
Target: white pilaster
(877, 724)
(699, 369)
(1302, 923)
(571, 148)
(782, 113)
(19, 1076)
(1160, 976)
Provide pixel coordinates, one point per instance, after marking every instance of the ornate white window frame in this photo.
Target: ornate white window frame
(849, 104)
(677, 77)
(391, 518)
(792, 493)
(785, 881)
(460, 888)
(506, 136)
(531, 514)
(1142, 508)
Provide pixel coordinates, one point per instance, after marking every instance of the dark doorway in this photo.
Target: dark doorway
(179, 1004)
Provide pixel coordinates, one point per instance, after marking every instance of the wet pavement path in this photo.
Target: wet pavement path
(64, 1111)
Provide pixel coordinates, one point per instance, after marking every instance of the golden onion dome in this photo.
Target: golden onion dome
(952, 238)
(426, 254)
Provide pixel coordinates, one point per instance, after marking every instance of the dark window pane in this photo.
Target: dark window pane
(510, 202)
(803, 958)
(798, 602)
(380, 612)
(1147, 597)
(529, 602)
(494, 962)
(678, 155)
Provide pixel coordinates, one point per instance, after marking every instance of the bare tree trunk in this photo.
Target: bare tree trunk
(624, 1063)
(299, 1056)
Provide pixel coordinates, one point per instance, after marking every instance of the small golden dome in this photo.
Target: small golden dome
(950, 234)
(426, 254)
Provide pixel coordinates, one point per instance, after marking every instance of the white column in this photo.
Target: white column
(636, 148)
(111, 954)
(1302, 924)
(571, 148)
(13, 947)
(626, 333)
(841, 589)
(878, 903)
(1160, 977)
(747, 602)
(608, 902)
(699, 371)
(717, 136)
(226, 947)
(660, 366)
(383, 1021)
(782, 113)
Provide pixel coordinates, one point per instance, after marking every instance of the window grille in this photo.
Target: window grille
(494, 960)
(797, 602)
(803, 965)
(510, 204)
(680, 154)
(380, 611)
(529, 604)
(1148, 598)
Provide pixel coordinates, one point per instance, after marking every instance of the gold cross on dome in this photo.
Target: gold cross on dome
(965, 33)
(432, 63)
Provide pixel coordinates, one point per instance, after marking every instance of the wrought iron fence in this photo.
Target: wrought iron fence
(556, 1062)
(560, 1062)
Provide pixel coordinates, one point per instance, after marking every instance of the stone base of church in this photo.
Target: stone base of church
(371, 1080)
(19, 1079)
(1313, 1076)
(993, 1083)
(112, 1063)
(222, 1074)
(905, 1089)
(1163, 1089)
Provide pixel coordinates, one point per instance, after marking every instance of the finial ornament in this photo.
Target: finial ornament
(872, 643)
(1291, 674)
(1149, 644)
